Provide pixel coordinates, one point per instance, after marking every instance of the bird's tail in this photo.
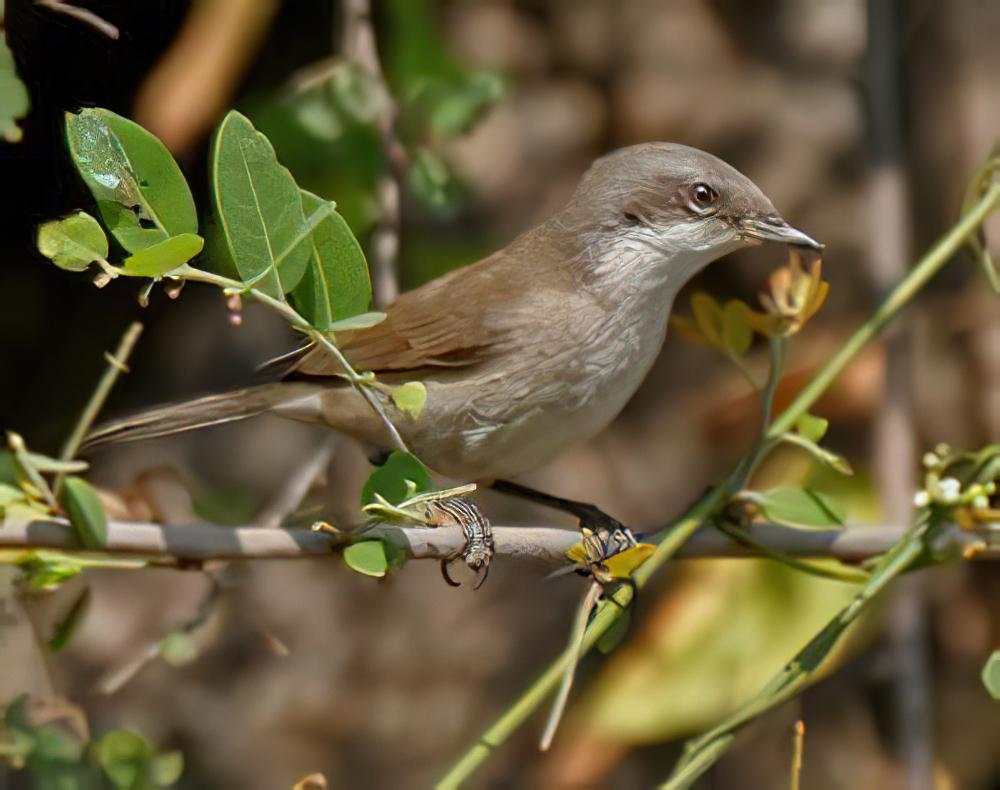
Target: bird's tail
(187, 416)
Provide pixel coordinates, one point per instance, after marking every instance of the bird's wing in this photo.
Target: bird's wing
(437, 325)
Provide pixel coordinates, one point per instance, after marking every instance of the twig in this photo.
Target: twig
(359, 46)
(116, 366)
(679, 533)
(298, 484)
(84, 15)
(798, 742)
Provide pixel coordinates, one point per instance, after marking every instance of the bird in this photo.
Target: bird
(534, 348)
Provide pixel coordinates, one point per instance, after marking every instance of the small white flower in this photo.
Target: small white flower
(981, 502)
(950, 490)
(931, 460)
(921, 499)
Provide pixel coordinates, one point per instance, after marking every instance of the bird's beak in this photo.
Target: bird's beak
(774, 228)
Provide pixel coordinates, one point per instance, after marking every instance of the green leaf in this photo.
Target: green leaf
(44, 463)
(73, 242)
(45, 571)
(452, 106)
(10, 494)
(389, 480)
(161, 258)
(708, 317)
(800, 507)
(367, 557)
(165, 769)
(178, 648)
(68, 624)
(336, 284)
(125, 756)
(360, 321)
(991, 674)
(737, 334)
(836, 462)
(259, 208)
(430, 180)
(410, 398)
(812, 427)
(141, 194)
(85, 512)
(14, 101)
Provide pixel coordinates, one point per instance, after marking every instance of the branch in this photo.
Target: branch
(359, 46)
(199, 543)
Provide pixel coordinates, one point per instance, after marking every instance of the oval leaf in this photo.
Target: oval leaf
(161, 258)
(707, 317)
(410, 398)
(991, 675)
(73, 242)
(85, 512)
(124, 756)
(141, 194)
(336, 284)
(367, 557)
(812, 427)
(259, 208)
(389, 480)
(800, 507)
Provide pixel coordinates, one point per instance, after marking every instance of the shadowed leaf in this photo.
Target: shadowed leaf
(85, 512)
(800, 507)
(389, 480)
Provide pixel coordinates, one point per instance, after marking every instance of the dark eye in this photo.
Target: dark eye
(703, 196)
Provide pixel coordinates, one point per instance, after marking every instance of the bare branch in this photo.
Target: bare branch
(198, 543)
(84, 15)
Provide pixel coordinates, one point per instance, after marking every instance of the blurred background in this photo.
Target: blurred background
(862, 124)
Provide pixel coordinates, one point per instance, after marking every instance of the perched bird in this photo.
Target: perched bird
(535, 347)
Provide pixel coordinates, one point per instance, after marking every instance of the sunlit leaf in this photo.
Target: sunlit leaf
(131, 762)
(336, 284)
(44, 571)
(367, 557)
(68, 624)
(141, 194)
(85, 512)
(258, 207)
(821, 454)
(360, 321)
(452, 106)
(161, 258)
(800, 507)
(812, 427)
(410, 398)
(73, 242)
(623, 564)
(14, 101)
(389, 480)
(166, 769)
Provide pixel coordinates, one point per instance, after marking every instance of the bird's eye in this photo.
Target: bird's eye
(703, 197)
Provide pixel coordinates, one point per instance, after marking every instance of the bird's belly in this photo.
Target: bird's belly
(515, 423)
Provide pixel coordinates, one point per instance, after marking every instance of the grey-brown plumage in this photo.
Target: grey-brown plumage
(537, 346)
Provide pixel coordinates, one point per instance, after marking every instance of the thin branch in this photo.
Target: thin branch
(84, 15)
(116, 366)
(360, 47)
(299, 482)
(199, 543)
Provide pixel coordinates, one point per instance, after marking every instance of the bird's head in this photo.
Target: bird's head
(683, 205)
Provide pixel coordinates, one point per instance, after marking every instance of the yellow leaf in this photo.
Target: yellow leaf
(708, 316)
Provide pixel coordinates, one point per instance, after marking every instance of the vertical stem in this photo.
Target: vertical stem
(116, 366)
(798, 742)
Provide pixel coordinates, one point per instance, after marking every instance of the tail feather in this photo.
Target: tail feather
(186, 416)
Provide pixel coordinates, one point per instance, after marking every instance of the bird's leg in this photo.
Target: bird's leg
(589, 515)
